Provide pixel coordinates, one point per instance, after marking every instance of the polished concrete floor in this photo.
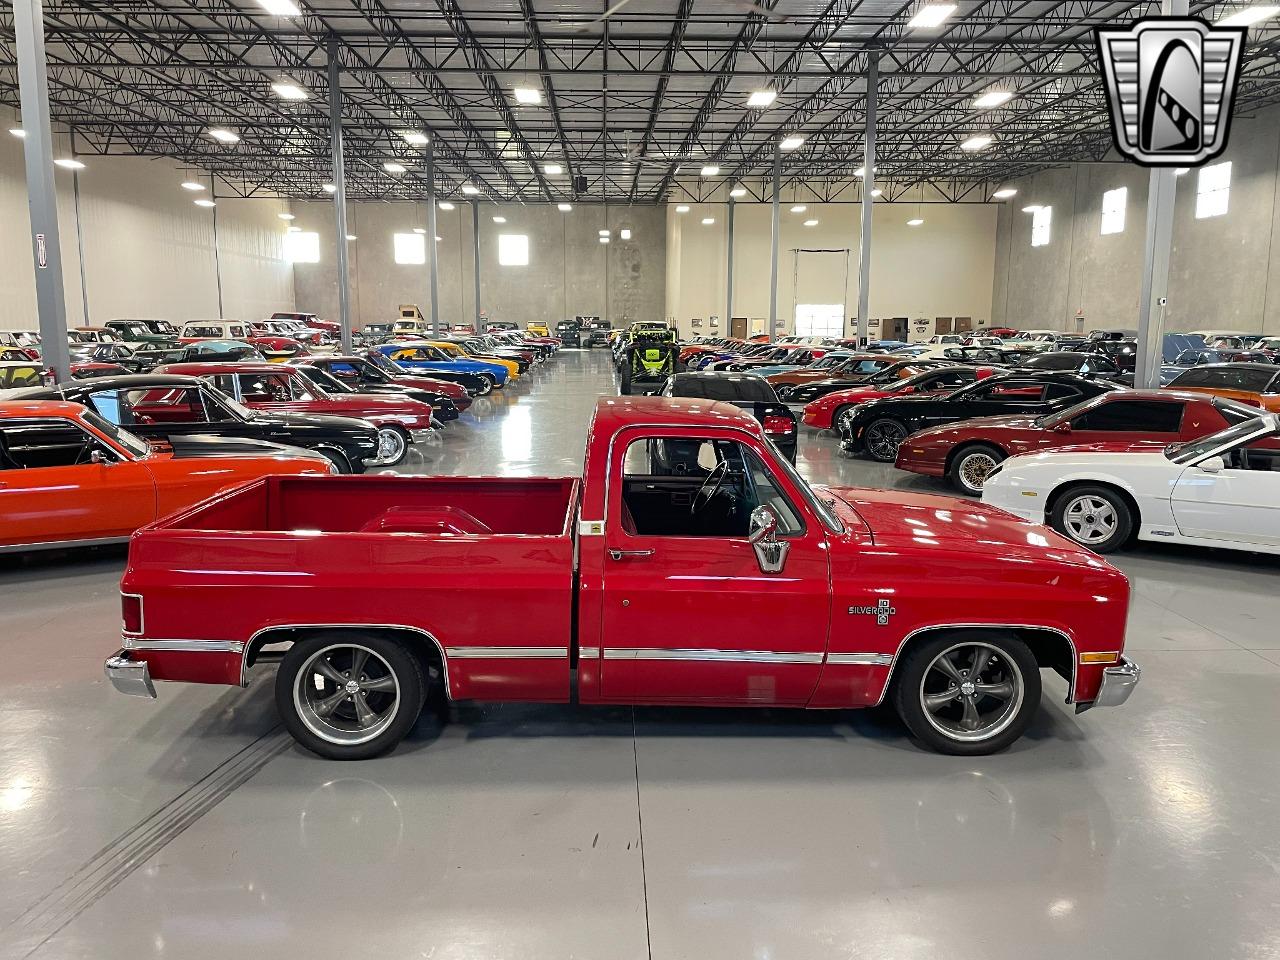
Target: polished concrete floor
(191, 827)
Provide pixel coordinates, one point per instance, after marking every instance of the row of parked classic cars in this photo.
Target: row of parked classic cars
(984, 416)
(90, 459)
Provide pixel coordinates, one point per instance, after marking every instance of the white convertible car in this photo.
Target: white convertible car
(1222, 490)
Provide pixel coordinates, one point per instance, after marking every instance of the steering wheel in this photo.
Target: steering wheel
(717, 474)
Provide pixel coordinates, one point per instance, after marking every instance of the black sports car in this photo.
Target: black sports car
(1087, 363)
(162, 407)
(754, 395)
(878, 426)
(805, 392)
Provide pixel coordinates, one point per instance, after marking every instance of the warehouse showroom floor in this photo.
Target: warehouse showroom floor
(193, 827)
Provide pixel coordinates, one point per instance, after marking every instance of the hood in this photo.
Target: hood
(316, 422)
(897, 519)
(207, 445)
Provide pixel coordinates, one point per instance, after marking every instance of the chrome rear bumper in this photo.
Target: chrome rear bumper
(129, 676)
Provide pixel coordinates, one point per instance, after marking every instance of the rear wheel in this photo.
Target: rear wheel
(487, 383)
(1094, 517)
(972, 465)
(881, 437)
(968, 694)
(348, 696)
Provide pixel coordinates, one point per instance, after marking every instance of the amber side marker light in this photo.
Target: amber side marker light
(1107, 656)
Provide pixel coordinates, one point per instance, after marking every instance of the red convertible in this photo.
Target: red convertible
(277, 387)
(968, 452)
(691, 564)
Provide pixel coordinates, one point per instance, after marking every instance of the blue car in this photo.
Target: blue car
(423, 357)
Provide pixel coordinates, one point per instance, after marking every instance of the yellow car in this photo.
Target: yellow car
(454, 350)
(538, 328)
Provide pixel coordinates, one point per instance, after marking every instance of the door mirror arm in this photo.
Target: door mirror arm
(771, 553)
(100, 458)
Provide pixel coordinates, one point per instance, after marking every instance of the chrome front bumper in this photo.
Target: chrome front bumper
(129, 676)
(1117, 683)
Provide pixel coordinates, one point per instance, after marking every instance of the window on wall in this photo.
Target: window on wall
(410, 248)
(1113, 203)
(819, 319)
(513, 249)
(1041, 219)
(1213, 190)
(302, 247)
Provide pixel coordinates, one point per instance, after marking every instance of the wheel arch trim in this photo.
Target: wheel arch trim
(260, 639)
(940, 627)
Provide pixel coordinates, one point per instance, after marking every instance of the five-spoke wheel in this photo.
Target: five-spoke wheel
(1094, 517)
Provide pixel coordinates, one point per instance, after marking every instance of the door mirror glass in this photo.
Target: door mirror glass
(99, 457)
(771, 553)
(1212, 465)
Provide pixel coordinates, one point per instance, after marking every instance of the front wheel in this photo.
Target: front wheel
(393, 446)
(337, 458)
(968, 694)
(1094, 517)
(349, 696)
(881, 438)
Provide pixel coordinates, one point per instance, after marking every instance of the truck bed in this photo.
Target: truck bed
(481, 566)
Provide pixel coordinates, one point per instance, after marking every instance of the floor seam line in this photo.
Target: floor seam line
(644, 877)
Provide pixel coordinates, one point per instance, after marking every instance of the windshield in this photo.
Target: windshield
(821, 507)
(135, 445)
(325, 380)
(1194, 449)
(383, 362)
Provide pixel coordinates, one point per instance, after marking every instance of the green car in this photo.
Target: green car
(145, 332)
(649, 356)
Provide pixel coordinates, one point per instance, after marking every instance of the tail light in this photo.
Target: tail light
(131, 613)
(778, 425)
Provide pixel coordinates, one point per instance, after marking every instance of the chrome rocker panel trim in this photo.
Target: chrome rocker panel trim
(709, 654)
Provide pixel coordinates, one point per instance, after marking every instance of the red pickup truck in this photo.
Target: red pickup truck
(691, 564)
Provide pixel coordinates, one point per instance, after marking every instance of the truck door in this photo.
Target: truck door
(689, 615)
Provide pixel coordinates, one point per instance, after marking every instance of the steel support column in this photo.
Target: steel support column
(42, 195)
(339, 193)
(773, 242)
(728, 286)
(1161, 192)
(475, 258)
(433, 249)
(868, 201)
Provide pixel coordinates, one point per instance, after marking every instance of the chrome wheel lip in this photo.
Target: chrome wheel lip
(975, 457)
(1007, 715)
(320, 726)
(1089, 519)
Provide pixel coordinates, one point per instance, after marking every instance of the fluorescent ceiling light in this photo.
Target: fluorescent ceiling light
(445, 205)
(980, 142)
(604, 239)
(791, 142)
(280, 8)
(286, 216)
(738, 192)
(992, 98)
(192, 186)
(876, 193)
(861, 171)
(811, 223)
(415, 138)
(914, 222)
(1248, 16)
(682, 208)
(528, 95)
(603, 233)
(1031, 209)
(329, 188)
(438, 239)
(499, 219)
(205, 203)
(69, 164)
(552, 169)
(470, 189)
(564, 207)
(392, 167)
(224, 136)
(289, 90)
(419, 230)
(711, 170)
(799, 208)
(625, 233)
(931, 15)
(352, 236)
(761, 98)
(1004, 193)
(18, 132)
(708, 221)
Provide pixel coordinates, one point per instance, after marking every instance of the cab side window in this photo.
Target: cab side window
(1143, 416)
(155, 406)
(32, 444)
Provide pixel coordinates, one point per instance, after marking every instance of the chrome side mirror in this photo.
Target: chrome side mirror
(100, 458)
(771, 553)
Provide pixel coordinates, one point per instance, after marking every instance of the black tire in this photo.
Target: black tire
(877, 438)
(840, 412)
(972, 464)
(942, 728)
(337, 458)
(624, 387)
(1095, 517)
(299, 699)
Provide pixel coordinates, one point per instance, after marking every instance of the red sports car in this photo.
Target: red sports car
(969, 452)
(825, 412)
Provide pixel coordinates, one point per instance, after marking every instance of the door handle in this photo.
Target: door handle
(622, 554)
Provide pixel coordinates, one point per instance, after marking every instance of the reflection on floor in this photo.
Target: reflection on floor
(190, 828)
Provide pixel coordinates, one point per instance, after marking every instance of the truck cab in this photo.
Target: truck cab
(691, 564)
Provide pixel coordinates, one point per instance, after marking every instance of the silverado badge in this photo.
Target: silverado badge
(882, 611)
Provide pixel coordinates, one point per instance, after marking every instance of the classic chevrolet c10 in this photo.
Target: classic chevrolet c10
(691, 564)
